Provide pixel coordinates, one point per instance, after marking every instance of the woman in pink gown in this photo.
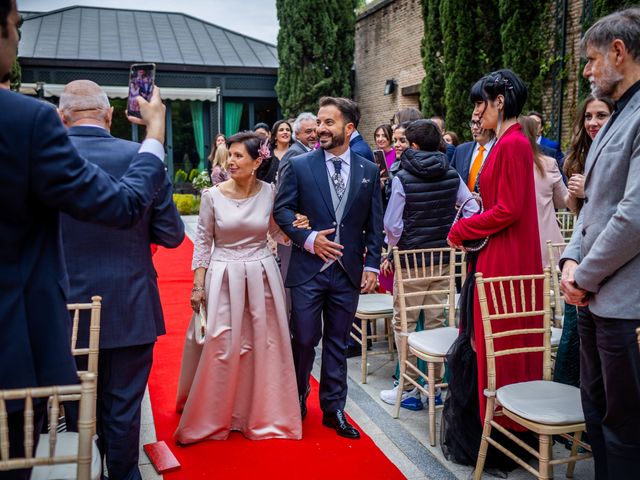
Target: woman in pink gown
(241, 376)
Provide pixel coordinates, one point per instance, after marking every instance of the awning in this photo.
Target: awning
(168, 93)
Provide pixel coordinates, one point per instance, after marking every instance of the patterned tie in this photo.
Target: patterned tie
(338, 181)
(475, 168)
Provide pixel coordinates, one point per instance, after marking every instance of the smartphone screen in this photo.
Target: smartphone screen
(381, 161)
(141, 79)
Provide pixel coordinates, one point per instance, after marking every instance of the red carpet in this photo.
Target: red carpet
(320, 455)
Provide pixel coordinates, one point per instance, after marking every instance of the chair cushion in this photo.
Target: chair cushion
(556, 335)
(544, 402)
(67, 444)
(436, 341)
(373, 303)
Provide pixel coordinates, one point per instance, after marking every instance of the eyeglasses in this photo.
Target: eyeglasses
(473, 124)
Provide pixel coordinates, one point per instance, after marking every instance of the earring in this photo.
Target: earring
(253, 172)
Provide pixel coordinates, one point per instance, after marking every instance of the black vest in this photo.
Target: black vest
(430, 187)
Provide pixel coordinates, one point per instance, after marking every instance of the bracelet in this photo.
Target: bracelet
(197, 288)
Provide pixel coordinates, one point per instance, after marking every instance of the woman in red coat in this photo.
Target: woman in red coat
(510, 220)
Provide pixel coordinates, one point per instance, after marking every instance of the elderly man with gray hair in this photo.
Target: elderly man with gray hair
(601, 265)
(116, 264)
(304, 133)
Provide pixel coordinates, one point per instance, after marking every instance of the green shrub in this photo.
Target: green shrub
(180, 177)
(202, 181)
(193, 174)
(185, 203)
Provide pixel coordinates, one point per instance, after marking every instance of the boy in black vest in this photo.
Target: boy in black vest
(421, 209)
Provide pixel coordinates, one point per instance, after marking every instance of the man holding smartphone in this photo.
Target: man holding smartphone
(44, 175)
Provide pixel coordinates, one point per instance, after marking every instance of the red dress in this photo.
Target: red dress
(510, 219)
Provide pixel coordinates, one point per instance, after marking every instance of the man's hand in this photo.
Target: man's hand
(369, 282)
(153, 115)
(572, 294)
(576, 185)
(325, 248)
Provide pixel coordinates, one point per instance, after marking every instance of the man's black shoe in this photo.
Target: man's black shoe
(338, 421)
(303, 402)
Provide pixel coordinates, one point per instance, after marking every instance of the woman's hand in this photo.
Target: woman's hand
(576, 185)
(457, 247)
(197, 298)
(386, 267)
(302, 222)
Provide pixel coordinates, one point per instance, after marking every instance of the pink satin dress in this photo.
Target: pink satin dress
(242, 376)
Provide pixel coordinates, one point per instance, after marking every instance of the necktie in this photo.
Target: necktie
(475, 168)
(338, 181)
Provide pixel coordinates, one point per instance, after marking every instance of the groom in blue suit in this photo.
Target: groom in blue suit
(339, 192)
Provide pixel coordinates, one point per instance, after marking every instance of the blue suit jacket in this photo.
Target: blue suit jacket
(116, 263)
(461, 160)
(362, 148)
(41, 175)
(304, 188)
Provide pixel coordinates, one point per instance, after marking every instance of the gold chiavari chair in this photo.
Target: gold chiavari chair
(542, 406)
(371, 307)
(55, 452)
(431, 345)
(566, 219)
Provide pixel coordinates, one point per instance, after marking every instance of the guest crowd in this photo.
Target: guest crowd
(87, 207)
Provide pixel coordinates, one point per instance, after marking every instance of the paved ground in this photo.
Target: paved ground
(404, 440)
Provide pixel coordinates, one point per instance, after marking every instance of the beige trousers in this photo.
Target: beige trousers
(434, 317)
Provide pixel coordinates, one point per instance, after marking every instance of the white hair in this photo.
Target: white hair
(297, 125)
(81, 96)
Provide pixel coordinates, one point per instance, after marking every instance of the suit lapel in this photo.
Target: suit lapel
(609, 132)
(355, 181)
(320, 175)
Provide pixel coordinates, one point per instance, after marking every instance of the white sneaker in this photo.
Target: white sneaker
(410, 399)
(425, 399)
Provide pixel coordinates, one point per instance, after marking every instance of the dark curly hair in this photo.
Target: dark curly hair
(6, 7)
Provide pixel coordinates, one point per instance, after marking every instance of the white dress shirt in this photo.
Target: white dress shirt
(487, 148)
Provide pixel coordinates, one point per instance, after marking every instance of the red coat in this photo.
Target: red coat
(510, 219)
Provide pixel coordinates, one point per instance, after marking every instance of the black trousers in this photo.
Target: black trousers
(122, 378)
(610, 390)
(15, 422)
(323, 307)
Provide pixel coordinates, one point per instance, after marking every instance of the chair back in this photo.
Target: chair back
(461, 265)
(555, 251)
(86, 390)
(416, 266)
(514, 297)
(93, 350)
(566, 219)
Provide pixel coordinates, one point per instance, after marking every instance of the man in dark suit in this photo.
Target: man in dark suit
(42, 174)
(304, 132)
(116, 264)
(339, 191)
(358, 145)
(549, 147)
(469, 156)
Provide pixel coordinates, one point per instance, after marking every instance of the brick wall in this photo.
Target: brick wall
(388, 38)
(387, 46)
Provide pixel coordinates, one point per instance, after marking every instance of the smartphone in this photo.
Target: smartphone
(381, 161)
(142, 76)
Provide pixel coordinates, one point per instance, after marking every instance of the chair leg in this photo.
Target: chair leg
(544, 469)
(363, 345)
(374, 328)
(484, 444)
(402, 358)
(431, 374)
(390, 336)
(574, 451)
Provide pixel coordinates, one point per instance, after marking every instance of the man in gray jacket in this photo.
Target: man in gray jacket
(601, 265)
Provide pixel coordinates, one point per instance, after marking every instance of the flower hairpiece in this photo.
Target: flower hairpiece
(263, 151)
